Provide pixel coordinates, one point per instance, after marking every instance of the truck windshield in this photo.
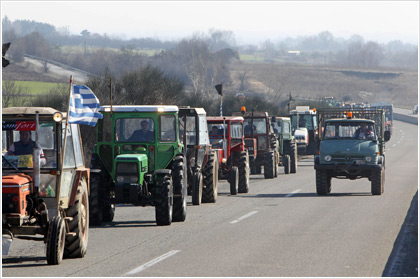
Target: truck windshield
(354, 130)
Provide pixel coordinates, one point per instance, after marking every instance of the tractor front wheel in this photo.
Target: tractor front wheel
(56, 238)
(164, 201)
(197, 191)
(210, 180)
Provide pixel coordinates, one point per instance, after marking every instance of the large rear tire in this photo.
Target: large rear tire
(164, 201)
(76, 245)
(197, 190)
(286, 163)
(210, 179)
(56, 238)
(179, 177)
(234, 180)
(269, 164)
(242, 162)
(293, 157)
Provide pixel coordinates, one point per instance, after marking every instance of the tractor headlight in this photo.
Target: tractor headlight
(368, 159)
(127, 179)
(327, 158)
(120, 179)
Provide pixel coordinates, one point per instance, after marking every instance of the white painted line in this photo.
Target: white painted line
(394, 145)
(151, 263)
(294, 192)
(243, 217)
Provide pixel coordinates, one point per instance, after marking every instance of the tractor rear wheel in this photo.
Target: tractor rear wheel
(56, 238)
(286, 163)
(197, 191)
(269, 164)
(76, 245)
(164, 201)
(242, 162)
(179, 177)
(210, 179)
(293, 157)
(95, 206)
(234, 180)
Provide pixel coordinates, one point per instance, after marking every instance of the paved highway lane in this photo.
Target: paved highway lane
(281, 228)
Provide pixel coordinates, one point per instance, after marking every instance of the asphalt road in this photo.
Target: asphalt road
(280, 228)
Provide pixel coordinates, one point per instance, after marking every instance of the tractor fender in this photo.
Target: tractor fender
(81, 173)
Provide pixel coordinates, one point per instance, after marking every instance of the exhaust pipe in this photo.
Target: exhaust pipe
(36, 158)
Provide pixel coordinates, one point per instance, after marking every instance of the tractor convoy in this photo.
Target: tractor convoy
(157, 155)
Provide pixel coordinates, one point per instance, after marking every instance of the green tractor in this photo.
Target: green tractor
(138, 159)
(287, 144)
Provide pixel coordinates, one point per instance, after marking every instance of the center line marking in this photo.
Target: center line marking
(294, 192)
(151, 263)
(243, 217)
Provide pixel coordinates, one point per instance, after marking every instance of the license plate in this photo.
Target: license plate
(360, 162)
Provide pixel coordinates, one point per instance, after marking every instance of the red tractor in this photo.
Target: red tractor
(227, 137)
(261, 143)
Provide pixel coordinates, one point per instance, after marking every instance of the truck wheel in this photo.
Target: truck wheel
(95, 207)
(179, 177)
(293, 157)
(76, 245)
(56, 238)
(164, 201)
(286, 163)
(377, 182)
(234, 180)
(197, 188)
(243, 167)
(269, 162)
(210, 179)
(323, 183)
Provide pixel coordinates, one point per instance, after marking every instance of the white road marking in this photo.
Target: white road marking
(294, 192)
(243, 217)
(151, 263)
(394, 145)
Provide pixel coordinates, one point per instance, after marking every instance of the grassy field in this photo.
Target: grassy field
(36, 87)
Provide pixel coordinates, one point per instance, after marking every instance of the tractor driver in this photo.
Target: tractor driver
(144, 134)
(25, 146)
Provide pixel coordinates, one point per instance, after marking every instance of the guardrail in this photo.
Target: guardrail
(406, 118)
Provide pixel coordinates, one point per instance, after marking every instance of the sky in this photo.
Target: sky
(250, 21)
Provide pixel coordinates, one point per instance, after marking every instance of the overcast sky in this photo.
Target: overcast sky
(250, 21)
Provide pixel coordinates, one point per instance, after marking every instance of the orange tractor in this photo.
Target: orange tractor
(45, 184)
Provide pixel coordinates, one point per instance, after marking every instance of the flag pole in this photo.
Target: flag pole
(221, 99)
(67, 122)
(110, 92)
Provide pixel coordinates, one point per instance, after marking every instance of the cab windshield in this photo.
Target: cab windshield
(18, 142)
(346, 130)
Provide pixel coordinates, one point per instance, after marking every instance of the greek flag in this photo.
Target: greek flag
(84, 106)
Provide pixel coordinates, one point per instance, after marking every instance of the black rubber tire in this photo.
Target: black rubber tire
(234, 180)
(108, 212)
(56, 239)
(286, 164)
(210, 179)
(323, 183)
(269, 162)
(76, 246)
(95, 207)
(377, 181)
(179, 178)
(164, 201)
(293, 157)
(197, 191)
(242, 162)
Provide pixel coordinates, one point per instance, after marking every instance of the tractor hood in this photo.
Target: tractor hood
(348, 147)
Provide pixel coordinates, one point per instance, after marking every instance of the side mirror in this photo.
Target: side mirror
(387, 135)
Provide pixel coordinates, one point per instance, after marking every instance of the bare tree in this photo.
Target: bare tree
(13, 94)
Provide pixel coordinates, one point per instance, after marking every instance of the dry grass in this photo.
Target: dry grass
(399, 87)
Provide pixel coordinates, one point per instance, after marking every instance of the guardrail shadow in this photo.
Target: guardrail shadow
(11, 262)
